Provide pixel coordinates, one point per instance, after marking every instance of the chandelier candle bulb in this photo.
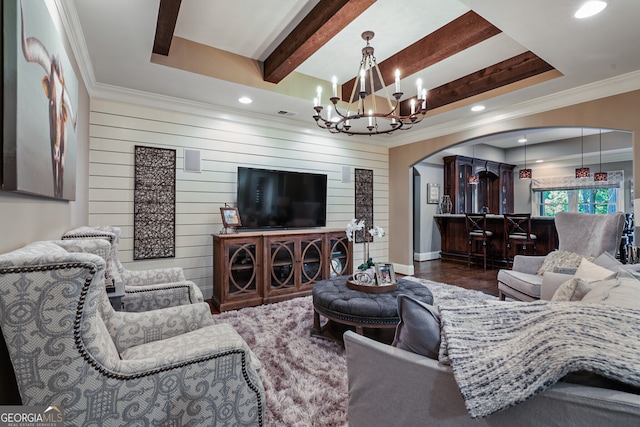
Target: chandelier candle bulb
(362, 85)
(370, 117)
(424, 99)
(419, 86)
(334, 84)
(397, 74)
(319, 95)
(329, 112)
(413, 106)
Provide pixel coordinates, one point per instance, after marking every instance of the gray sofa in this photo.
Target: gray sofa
(389, 386)
(584, 234)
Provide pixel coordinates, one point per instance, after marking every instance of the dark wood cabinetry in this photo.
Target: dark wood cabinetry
(493, 192)
(263, 267)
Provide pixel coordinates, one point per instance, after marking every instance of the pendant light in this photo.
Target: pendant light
(582, 172)
(525, 173)
(600, 176)
(474, 179)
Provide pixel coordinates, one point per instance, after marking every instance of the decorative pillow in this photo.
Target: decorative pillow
(578, 286)
(623, 291)
(607, 260)
(590, 271)
(573, 289)
(419, 327)
(560, 259)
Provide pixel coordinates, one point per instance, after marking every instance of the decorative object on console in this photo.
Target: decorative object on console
(446, 205)
(362, 117)
(154, 200)
(230, 217)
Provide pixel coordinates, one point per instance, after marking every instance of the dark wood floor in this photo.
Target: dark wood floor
(458, 274)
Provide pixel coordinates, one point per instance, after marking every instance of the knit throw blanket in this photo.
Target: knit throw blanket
(503, 353)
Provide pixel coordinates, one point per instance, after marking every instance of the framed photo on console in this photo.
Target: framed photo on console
(230, 217)
(384, 274)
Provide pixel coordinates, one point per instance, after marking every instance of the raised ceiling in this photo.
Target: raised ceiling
(514, 56)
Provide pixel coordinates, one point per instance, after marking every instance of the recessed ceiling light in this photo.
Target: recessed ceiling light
(590, 8)
(245, 100)
(539, 161)
(477, 108)
(522, 140)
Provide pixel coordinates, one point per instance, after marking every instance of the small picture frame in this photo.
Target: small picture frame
(384, 274)
(230, 217)
(433, 193)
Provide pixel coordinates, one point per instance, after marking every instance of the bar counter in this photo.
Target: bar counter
(454, 242)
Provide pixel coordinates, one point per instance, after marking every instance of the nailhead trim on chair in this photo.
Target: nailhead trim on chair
(101, 369)
(129, 290)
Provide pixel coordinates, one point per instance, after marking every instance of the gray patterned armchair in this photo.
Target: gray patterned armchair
(70, 349)
(144, 290)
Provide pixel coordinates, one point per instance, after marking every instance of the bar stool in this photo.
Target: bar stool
(517, 233)
(480, 238)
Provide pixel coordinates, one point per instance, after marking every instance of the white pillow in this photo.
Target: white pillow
(582, 282)
(591, 272)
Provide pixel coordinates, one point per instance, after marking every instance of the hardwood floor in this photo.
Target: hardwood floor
(458, 274)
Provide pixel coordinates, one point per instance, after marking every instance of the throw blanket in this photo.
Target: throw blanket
(503, 353)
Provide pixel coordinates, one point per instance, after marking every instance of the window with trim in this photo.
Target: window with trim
(570, 194)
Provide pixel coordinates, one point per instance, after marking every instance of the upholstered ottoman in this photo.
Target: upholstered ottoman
(339, 304)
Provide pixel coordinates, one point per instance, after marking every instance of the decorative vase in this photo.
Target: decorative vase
(445, 204)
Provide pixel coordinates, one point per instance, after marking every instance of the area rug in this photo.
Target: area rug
(305, 378)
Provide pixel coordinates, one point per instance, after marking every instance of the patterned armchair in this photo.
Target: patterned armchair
(70, 349)
(144, 289)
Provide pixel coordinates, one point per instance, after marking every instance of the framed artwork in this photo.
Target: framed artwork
(230, 217)
(363, 202)
(433, 193)
(385, 274)
(154, 203)
(40, 98)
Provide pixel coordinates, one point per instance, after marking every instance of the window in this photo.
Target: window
(591, 200)
(567, 194)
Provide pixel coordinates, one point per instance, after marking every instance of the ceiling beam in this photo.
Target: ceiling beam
(167, 18)
(454, 37)
(324, 21)
(495, 76)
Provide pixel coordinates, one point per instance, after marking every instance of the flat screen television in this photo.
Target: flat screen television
(281, 199)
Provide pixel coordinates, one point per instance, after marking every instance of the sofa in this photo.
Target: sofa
(418, 383)
(579, 235)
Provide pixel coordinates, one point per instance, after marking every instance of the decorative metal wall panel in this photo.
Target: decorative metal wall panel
(364, 202)
(154, 223)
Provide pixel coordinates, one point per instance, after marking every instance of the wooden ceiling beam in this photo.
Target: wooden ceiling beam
(454, 37)
(324, 21)
(495, 76)
(167, 18)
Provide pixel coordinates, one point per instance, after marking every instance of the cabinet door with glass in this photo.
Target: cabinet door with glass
(237, 265)
(340, 255)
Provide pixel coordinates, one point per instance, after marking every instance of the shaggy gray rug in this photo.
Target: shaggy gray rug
(305, 378)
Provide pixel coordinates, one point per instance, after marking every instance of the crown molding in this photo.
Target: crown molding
(589, 92)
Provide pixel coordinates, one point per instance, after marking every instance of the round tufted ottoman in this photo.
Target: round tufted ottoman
(339, 304)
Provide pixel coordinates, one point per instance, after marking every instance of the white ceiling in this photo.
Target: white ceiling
(597, 56)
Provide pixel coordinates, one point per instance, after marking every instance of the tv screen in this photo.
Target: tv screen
(281, 199)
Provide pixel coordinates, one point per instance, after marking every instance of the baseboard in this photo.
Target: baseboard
(407, 270)
(426, 256)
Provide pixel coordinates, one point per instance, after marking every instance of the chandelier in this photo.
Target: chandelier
(363, 115)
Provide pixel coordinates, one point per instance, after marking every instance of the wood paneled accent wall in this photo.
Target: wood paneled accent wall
(116, 127)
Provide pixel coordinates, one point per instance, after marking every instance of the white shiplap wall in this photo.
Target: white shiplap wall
(116, 127)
